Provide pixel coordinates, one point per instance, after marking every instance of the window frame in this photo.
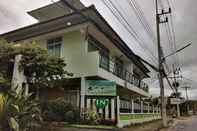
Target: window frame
(55, 45)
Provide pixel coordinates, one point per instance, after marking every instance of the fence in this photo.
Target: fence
(121, 72)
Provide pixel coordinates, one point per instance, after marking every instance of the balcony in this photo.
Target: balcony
(110, 66)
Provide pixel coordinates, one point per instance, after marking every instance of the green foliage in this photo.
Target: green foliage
(20, 113)
(69, 116)
(59, 110)
(89, 117)
(41, 69)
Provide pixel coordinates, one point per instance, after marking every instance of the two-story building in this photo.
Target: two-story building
(105, 69)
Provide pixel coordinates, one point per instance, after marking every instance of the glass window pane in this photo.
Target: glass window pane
(54, 46)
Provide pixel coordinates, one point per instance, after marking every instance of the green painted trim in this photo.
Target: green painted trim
(91, 126)
(137, 116)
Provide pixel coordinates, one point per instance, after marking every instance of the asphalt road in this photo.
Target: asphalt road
(187, 124)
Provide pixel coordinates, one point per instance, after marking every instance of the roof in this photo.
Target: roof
(54, 10)
(75, 18)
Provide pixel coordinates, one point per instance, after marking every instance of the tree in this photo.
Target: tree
(41, 70)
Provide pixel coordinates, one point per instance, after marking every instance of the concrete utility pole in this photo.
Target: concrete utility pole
(187, 98)
(160, 62)
(176, 85)
(186, 92)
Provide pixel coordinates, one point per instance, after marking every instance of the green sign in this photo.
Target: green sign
(101, 103)
(100, 88)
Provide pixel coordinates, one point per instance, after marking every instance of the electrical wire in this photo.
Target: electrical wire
(141, 18)
(120, 17)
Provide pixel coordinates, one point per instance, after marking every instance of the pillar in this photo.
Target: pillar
(82, 93)
(148, 107)
(118, 109)
(107, 111)
(178, 110)
(88, 104)
(113, 115)
(142, 107)
(78, 98)
(94, 106)
(132, 104)
(153, 109)
(18, 78)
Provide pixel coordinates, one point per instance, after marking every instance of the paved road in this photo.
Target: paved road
(187, 124)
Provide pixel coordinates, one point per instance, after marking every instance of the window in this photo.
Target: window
(95, 45)
(118, 67)
(54, 46)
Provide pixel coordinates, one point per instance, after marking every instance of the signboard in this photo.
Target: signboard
(101, 103)
(175, 101)
(100, 88)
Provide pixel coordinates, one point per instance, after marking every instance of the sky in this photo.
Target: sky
(183, 18)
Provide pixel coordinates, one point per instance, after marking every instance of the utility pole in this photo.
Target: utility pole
(186, 92)
(176, 85)
(187, 98)
(160, 62)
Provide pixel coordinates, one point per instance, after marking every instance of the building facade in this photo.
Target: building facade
(105, 69)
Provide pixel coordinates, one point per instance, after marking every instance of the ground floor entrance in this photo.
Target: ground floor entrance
(123, 105)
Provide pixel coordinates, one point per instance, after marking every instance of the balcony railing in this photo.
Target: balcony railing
(121, 72)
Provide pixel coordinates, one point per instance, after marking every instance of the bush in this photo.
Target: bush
(60, 111)
(69, 116)
(89, 117)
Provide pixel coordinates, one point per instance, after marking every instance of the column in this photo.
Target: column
(142, 107)
(94, 106)
(132, 104)
(88, 104)
(107, 111)
(113, 115)
(148, 107)
(78, 98)
(82, 93)
(153, 109)
(118, 109)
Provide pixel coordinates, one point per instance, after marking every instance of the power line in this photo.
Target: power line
(120, 17)
(172, 34)
(141, 18)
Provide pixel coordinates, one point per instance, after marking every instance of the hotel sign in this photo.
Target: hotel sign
(101, 103)
(100, 88)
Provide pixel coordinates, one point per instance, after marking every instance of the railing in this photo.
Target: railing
(121, 72)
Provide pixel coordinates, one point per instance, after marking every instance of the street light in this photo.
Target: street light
(173, 53)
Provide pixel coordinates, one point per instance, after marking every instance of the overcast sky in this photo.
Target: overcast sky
(13, 15)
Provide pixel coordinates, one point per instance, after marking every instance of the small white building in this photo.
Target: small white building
(104, 67)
